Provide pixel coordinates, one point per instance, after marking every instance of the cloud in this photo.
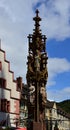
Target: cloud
(56, 16)
(56, 66)
(59, 95)
(14, 28)
(16, 23)
(67, 90)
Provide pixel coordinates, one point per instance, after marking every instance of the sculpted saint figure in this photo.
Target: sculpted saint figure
(32, 94)
(37, 61)
(43, 95)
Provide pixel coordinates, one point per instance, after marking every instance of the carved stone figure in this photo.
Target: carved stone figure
(30, 60)
(37, 61)
(43, 95)
(32, 94)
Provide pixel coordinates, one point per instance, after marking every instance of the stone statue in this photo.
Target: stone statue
(43, 96)
(37, 61)
(30, 60)
(32, 94)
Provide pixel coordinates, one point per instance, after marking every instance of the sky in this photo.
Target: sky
(16, 23)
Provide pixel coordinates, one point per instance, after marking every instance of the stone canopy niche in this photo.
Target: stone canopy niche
(37, 75)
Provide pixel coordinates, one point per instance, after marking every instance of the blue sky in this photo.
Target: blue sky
(16, 23)
(59, 73)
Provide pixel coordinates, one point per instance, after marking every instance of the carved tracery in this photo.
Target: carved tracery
(37, 73)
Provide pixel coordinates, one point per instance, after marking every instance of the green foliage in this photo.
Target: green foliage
(65, 105)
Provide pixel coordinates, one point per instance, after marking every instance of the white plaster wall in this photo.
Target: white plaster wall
(9, 83)
(15, 93)
(5, 73)
(10, 94)
(1, 55)
(4, 94)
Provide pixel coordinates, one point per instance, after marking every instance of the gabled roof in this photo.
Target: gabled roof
(50, 104)
(60, 111)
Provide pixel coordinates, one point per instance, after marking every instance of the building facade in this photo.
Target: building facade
(23, 106)
(9, 94)
(56, 117)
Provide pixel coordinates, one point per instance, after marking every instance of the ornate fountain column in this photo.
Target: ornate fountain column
(37, 75)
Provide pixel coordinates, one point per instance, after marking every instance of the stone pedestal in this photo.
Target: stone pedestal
(37, 126)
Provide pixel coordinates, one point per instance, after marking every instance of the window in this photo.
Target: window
(0, 66)
(5, 105)
(8, 106)
(2, 83)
